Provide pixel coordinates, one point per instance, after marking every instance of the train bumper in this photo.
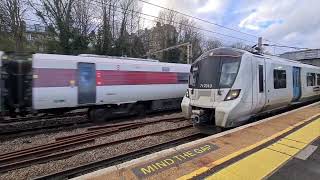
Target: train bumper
(224, 113)
(185, 107)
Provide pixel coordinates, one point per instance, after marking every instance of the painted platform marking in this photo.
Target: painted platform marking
(241, 151)
(262, 163)
(308, 151)
(175, 159)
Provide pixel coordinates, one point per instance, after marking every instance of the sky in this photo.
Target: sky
(286, 22)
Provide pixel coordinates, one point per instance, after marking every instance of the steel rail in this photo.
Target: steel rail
(89, 167)
(97, 131)
(67, 141)
(60, 155)
(17, 129)
(120, 124)
(34, 118)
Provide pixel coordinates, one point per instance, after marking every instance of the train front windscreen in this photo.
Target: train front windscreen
(214, 72)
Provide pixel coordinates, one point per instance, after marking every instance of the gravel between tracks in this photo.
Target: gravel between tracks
(93, 155)
(30, 141)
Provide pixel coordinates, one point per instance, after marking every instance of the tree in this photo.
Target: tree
(165, 35)
(6, 44)
(122, 44)
(211, 44)
(11, 19)
(240, 45)
(188, 33)
(82, 28)
(104, 35)
(58, 13)
(172, 30)
(167, 17)
(138, 48)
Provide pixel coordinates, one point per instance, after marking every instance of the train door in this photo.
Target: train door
(269, 84)
(296, 83)
(259, 86)
(86, 83)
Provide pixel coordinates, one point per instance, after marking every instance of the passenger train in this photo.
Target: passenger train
(107, 86)
(228, 86)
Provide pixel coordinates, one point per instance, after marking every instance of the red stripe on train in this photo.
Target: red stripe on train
(62, 77)
(105, 78)
(47, 77)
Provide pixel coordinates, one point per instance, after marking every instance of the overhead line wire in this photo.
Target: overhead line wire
(216, 24)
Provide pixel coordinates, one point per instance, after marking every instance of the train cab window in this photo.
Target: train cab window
(311, 79)
(229, 71)
(261, 78)
(279, 79)
(318, 79)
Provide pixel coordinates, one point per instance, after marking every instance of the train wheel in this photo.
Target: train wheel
(90, 114)
(96, 115)
(140, 110)
(13, 114)
(219, 129)
(99, 114)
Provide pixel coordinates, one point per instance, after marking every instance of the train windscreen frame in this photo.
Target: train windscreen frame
(214, 71)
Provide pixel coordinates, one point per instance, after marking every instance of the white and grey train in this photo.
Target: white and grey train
(229, 86)
(108, 86)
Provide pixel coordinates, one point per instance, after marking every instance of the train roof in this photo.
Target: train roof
(100, 59)
(239, 52)
(284, 60)
(117, 57)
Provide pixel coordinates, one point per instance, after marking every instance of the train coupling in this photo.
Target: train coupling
(200, 117)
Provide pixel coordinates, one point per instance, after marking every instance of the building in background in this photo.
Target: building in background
(158, 38)
(36, 36)
(311, 56)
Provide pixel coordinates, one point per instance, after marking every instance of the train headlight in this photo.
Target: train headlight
(232, 94)
(187, 93)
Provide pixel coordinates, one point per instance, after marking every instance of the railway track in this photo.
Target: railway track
(63, 147)
(52, 123)
(90, 167)
(7, 120)
(18, 129)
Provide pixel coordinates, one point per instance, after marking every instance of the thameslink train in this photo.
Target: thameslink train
(107, 86)
(229, 86)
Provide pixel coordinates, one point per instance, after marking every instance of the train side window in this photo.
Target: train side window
(279, 79)
(261, 78)
(318, 79)
(311, 79)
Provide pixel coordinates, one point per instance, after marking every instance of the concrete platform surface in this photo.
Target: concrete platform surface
(271, 148)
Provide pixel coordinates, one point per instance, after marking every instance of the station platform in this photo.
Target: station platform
(286, 146)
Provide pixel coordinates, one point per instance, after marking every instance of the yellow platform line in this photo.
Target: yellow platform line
(241, 151)
(262, 163)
